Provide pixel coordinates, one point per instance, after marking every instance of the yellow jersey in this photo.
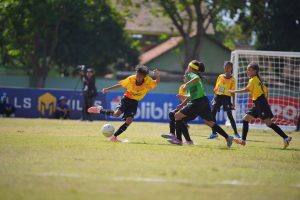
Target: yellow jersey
(223, 85)
(256, 88)
(137, 92)
(181, 91)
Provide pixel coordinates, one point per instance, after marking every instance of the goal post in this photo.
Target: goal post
(280, 72)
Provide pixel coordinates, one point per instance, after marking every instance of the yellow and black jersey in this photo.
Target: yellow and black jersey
(181, 91)
(256, 88)
(224, 84)
(137, 92)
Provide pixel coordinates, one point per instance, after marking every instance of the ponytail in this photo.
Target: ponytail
(255, 67)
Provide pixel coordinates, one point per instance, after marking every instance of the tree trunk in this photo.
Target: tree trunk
(39, 74)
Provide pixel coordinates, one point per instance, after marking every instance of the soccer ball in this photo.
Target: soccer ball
(108, 130)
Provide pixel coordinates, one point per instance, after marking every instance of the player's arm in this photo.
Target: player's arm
(183, 103)
(194, 80)
(233, 100)
(239, 91)
(181, 97)
(157, 75)
(105, 90)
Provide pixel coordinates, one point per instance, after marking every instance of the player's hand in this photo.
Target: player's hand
(231, 91)
(233, 107)
(179, 106)
(156, 73)
(105, 90)
(184, 87)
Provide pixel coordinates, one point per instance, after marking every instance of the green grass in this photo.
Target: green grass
(56, 159)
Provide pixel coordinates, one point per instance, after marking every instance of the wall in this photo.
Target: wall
(75, 84)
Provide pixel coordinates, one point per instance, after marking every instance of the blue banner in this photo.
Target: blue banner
(34, 103)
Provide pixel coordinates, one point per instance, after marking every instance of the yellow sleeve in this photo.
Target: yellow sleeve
(125, 82)
(266, 91)
(232, 86)
(151, 84)
(217, 84)
(250, 85)
(181, 91)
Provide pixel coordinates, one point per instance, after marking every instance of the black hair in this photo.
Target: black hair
(199, 64)
(255, 67)
(142, 69)
(229, 64)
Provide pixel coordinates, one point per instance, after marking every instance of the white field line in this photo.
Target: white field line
(55, 174)
(161, 180)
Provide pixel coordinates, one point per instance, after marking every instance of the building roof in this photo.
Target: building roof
(167, 46)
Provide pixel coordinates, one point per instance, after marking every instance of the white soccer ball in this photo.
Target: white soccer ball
(108, 130)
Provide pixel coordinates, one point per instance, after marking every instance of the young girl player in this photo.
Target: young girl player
(261, 106)
(137, 86)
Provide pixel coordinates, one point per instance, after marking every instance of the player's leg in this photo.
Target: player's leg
(233, 124)
(278, 130)
(216, 105)
(216, 128)
(172, 125)
(206, 115)
(213, 113)
(298, 124)
(129, 107)
(246, 119)
(121, 129)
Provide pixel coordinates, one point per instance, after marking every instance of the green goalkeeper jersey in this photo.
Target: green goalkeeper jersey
(195, 90)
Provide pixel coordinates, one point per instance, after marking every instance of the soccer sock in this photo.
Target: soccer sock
(298, 124)
(232, 122)
(213, 113)
(121, 129)
(218, 129)
(107, 112)
(245, 130)
(178, 125)
(172, 122)
(278, 130)
(185, 131)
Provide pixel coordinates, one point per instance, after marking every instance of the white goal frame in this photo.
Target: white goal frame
(280, 71)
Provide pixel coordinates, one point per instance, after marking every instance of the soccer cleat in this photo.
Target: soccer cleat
(286, 142)
(95, 109)
(239, 141)
(175, 141)
(229, 141)
(212, 136)
(168, 136)
(114, 139)
(237, 135)
(189, 142)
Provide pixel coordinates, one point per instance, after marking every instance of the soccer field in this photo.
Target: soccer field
(56, 159)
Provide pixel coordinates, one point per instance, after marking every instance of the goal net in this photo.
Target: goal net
(280, 72)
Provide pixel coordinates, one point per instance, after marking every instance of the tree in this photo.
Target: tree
(44, 33)
(276, 24)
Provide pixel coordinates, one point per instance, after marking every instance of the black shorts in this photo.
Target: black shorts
(198, 107)
(222, 100)
(261, 108)
(128, 107)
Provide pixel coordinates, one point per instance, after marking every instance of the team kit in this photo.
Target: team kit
(194, 103)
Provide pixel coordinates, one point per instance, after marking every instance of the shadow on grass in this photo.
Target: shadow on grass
(281, 149)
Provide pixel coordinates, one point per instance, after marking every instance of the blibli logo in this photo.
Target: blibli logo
(149, 110)
(46, 102)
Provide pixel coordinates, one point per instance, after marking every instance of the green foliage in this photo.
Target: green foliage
(278, 25)
(42, 34)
